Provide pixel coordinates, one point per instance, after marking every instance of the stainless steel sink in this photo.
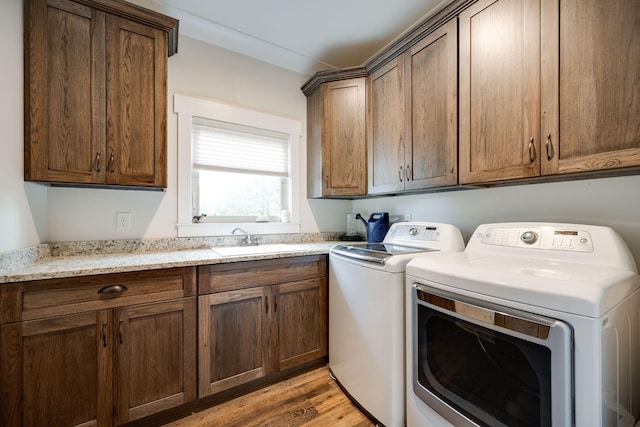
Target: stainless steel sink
(229, 251)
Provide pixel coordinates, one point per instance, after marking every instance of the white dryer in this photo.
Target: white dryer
(534, 324)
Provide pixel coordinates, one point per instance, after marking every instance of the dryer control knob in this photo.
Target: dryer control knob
(414, 231)
(529, 237)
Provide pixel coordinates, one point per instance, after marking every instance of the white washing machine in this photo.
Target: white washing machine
(366, 314)
(533, 324)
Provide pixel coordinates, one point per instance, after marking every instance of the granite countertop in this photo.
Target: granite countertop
(50, 267)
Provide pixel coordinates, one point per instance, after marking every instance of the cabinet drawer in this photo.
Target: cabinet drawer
(249, 274)
(54, 297)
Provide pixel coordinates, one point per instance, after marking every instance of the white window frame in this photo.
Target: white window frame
(187, 107)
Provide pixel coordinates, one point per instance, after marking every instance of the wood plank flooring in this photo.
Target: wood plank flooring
(311, 399)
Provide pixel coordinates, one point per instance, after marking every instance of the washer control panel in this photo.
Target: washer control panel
(425, 235)
(414, 232)
(539, 238)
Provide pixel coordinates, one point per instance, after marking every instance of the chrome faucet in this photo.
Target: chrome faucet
(248, 240)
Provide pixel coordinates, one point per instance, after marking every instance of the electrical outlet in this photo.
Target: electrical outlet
(123, 221)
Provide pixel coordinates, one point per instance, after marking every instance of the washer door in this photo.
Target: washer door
(480, 364)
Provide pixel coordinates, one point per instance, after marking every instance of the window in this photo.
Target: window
(239, 167)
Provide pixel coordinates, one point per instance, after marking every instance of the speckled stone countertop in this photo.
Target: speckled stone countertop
(49, 261)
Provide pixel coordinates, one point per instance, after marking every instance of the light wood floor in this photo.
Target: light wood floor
(312, 399)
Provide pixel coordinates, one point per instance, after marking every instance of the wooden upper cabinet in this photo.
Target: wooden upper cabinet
(95, 93)
(499, 90)
(548, 87)
(386, 129)
(136, 104)
(65, 84)
(590, 85)
(413, 117)
(336, 138)
(431, 93)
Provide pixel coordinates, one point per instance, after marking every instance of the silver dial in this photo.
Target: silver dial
(529, 237)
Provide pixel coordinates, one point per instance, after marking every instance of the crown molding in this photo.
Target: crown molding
(331, 76)
(220, 35)
(144, 15)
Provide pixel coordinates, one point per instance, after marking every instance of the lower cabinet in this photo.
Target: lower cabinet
(111, 349)
(260, 318)
(98, 367)
(58, 371)
(154, 358)
(234, 336)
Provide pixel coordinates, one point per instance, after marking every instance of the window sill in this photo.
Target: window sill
(224, 229)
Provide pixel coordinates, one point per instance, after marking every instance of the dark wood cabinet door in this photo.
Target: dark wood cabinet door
(301, 313)
(154, 358)
(64, 92)
(136, 104)
(591, 85)
(344, 138)
(233, 332)
(431, 153)
(386, 129)
(499, 106)
(258, 318)
(57, 371)
(95, 93)
(315, 174)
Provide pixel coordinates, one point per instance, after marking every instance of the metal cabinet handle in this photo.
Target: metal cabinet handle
(120, 323)
(532, 151)
(104, 334)
(275, 303)
(112, 289)
(111, 163)
(549, 146)
(97, 162)
(266, 311)
(400, 174)
(407, 173)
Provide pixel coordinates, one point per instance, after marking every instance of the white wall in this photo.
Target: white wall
(614, 202)
(22, 205)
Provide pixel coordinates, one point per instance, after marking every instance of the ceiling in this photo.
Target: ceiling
(300, 35)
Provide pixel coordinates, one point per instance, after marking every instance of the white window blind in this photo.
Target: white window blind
(230, 147)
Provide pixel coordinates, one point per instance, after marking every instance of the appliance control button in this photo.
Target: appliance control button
(529, 237)
(413, 231)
